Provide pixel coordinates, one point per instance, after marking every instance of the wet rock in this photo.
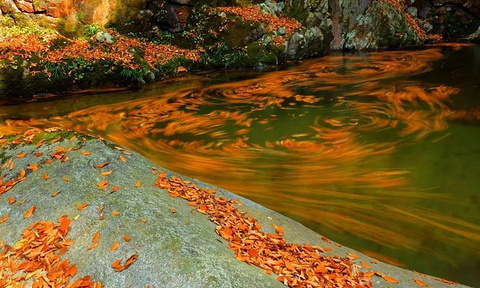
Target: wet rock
(177, 16)
(104, 37)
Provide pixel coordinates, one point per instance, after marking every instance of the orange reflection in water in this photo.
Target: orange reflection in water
(313, 142)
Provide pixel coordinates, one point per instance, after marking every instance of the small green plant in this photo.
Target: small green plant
(92, 29)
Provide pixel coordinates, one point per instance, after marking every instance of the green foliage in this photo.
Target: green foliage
(91, 30)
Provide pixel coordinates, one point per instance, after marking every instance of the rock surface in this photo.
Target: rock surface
(181, 248)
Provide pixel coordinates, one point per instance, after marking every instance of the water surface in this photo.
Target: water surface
(377, 151)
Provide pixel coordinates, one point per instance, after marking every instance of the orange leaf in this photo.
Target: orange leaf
(138, 184)
(66, 179)
(64, 224)
(21, 155)
(4, 218)
(174, 210)
(130, 260)
(114, 246)
(102, 185)
(106, 173)
(115, 213)
(86, 153)
(365, 265)
(115, 189)
(117, 264)
(101, 165)
(389, 279)
(126, 238)
(352, 256)
(45, 176)
(143, 220)
(123, 159)
(33, 167)
(55, 193)
(82, 206)
(11, 200)
(96, 236)
(278, 229)
(38, 154)
(420, 282)
(22, 173)
(29, 212)
(93, 245)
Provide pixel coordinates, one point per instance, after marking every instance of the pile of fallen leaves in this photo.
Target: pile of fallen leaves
(253, 13)
(36, 258)
(295, 265)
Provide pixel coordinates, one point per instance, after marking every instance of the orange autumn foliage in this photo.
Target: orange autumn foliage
(295, 265)
(37, 258)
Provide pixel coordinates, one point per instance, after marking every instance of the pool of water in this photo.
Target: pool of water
(377, 151)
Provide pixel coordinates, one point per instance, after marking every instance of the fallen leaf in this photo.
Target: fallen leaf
(365, 265)
(86, 153)
(101, 165)
(138, 184)
(45, 176)
(114, 246)
(82, 206)
(4, 218)
(38, 154)
(29, 212)
(389, 279)
(21, 155)
(102, 185)
(115, 213)
(106, 173)
(93, 245)
(130, 261)
(66, 179)
(11, 200)
(143, 220)
(126, 238)
(96, 236)
(420, 282)
(55, 193)
(123, 159)
(115, 189)
(174, 210)
(352, 256)
(278, 230)
(33, 167)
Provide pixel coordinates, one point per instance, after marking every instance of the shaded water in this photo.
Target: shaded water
(377, 151)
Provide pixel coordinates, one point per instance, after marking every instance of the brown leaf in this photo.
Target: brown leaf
(365, 265)
(123, 159)
(82, 206)
(174, 210)
(86, 153)
(21, 155)
(55, 193)
(420, 282)
(278, 230)
(114, 246)
(29, 212)
(66, 179)
(102, 185)
(389, 279)
(115, 189)
(11, 200)
(33, 167)
(126, 238)
(106, 173)
(101, 165)
(4, 218)
(45, 176)
(143, 220)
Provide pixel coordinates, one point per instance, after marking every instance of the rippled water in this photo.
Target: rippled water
(378, 151)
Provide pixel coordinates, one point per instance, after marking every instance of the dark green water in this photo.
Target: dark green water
(377, 151)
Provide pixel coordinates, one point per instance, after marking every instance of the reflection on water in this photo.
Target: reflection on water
(369, 150)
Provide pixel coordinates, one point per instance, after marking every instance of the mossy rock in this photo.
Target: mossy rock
(381, 27)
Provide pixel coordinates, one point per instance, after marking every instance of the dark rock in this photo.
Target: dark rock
(177, 17)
